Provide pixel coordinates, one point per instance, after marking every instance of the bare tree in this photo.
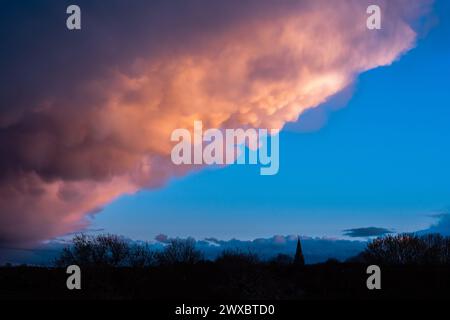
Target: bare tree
(180, 251)
(100, 250)
(282, 259)
(407, 249)
(80, 252)
(237, 257)
(116, 248)
(141, 256)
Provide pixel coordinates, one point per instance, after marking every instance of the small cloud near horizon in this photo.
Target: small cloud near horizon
(366, 232)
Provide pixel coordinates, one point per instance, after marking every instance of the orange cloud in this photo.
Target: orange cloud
(100, 127)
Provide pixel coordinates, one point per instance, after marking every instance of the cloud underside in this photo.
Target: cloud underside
(86, 116)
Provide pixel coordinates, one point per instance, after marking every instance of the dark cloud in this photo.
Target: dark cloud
(366, 232)
(162, 238)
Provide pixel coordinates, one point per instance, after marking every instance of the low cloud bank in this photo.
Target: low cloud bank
(315, 249)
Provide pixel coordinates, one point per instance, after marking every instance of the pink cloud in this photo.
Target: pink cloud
(80, 135)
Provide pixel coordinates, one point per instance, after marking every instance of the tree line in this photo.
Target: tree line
(109, 250)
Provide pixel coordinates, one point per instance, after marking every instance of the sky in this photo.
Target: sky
(86, 118)
(379, 159)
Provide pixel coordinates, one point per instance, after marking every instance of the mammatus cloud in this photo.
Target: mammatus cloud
(86, 116)
(366, 232)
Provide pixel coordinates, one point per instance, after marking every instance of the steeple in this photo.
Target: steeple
(299, 259)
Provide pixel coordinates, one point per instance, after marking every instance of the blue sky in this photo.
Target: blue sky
(381, 160)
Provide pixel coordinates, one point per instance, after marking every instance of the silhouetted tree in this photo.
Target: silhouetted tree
(438, 248)
(237, 258)
(408, 249)
(100, 250)
(180, 251)
(282, 259)
(141, 256)
(116, 248)
(395, 249)
(332, 261)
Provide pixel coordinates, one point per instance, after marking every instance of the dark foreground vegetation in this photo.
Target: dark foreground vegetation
(411, 267)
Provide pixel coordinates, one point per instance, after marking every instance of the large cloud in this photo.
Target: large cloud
(86, 116)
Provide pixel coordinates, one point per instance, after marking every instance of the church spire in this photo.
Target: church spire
(299, 259)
